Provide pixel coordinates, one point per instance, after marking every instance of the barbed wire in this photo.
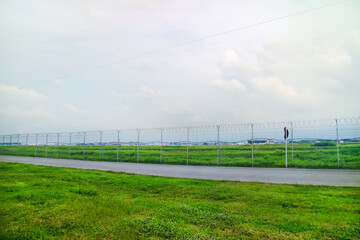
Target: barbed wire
(323, 123)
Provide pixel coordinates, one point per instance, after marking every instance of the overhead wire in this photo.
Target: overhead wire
(185, 43)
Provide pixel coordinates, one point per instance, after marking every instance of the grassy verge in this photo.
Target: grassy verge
(306, 155)
(62, 203)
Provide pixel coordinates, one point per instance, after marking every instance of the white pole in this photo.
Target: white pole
(27, 140)
(100, 156)
(218, 145)
(252, 145)
(118, 143)
(292, 145)
(10, 143)
(161, 144)
(84, 145)
(2, 147)
(46, 144)
(286, 151)
(138, 146)
(70, 146)
(337, 142)
(57, 145)
(36, 147)
(18, 143)
(187, 145)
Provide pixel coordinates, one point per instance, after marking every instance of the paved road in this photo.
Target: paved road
(332, 177)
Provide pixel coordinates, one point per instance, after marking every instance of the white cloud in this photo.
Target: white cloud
(177, 108)
(232, 85)
(300, 62)
(125, 108)
(71, 108)
(274, 86)
(102, 14)
(143, 92)
(230, 57)
(116, 95)
(11, 94)
(33, 113)
(353, 40)
(148, 92)
(243, 62)
(29, 119)
(58, 82)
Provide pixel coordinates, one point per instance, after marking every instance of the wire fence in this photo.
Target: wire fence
(330, 143)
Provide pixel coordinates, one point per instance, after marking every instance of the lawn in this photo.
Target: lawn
(39, 202)
(305, 155)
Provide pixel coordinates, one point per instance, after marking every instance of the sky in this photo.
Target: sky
(298, 68)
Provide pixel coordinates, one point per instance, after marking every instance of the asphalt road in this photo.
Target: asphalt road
(331, 177)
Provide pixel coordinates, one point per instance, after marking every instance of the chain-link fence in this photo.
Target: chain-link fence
(331, 143)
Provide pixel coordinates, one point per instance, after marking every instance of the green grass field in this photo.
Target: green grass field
(306, 155)
(39, 202)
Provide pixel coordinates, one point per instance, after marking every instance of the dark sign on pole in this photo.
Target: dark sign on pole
(286, 133)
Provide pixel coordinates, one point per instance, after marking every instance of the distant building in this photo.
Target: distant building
(261, 141)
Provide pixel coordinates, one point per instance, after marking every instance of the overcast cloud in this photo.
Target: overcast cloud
(303, 67)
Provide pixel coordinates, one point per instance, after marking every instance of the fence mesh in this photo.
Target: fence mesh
(329, 143)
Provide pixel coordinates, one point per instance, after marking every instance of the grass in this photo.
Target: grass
(306, 155)
(39, 202)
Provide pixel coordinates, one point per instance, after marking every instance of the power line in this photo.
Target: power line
(187, 43)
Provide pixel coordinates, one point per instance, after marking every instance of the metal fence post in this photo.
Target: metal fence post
(218, 146)
(138, 145)
(46, 144)
(292, 145)
(18, 143)
(36, 144)
(187, 145)
(27, 140)
(3, 143)
(10, 144)
(69, 145)
(252, 145)
(161, 144)
(3, 147)
(118, 143)
(100, 156)
(337, 142)
(84, 145)
(57, 145)
(286, 150)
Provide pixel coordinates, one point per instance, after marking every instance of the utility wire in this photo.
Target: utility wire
(187, 43)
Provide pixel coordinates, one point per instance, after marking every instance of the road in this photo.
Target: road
(331, 177)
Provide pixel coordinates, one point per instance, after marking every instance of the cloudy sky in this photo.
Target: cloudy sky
(301, 67)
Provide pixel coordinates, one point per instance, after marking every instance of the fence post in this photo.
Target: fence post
(161, 144)
(57, 145)
(118, 143)
(46, 144)
(84, 145)
(252, 145)
(10, 144)
(100, 156)
(292, 145)
(3, 143)
(187, 145)
(27, 140)
(18, 143)
(36, 144)
(286, 150)
(218, 145)
(337, 142)
(69, 145)
(138, 145)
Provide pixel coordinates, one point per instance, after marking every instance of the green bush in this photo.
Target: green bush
(324, 144)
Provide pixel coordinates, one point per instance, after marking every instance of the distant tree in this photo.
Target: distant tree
(324, 144)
